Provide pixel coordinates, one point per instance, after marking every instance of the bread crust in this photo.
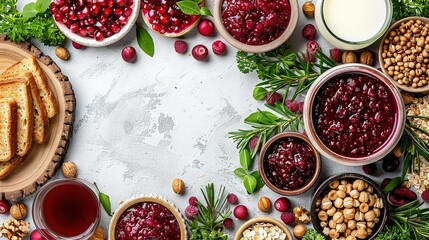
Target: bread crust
(7, 167)
(10, 127)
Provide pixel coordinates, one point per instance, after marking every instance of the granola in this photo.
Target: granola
(263, 231)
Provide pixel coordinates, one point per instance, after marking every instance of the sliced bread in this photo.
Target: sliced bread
(30, 64)
(7, 167)
(20, 90)
(8, 125)
(40, 115)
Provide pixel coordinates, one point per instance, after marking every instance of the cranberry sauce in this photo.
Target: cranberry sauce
(256, 22)
(289, 163)
(147, 221)
(354, 114)
(70, 209)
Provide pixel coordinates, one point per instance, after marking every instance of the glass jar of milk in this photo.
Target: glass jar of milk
(353, 24)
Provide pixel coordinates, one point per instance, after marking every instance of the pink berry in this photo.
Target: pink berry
(300, 107)
(205, 27)
(425, 195)
(232, 199)
(193, 201)
(4, 206)
(180, 46)
(282, 204)
(218, 47)
(77, 45)
(191, 212)
(253, 142)
(36, 235)
(288, 218)
(336, 55)
(292, 105)
(228, 223)
(200, 52)
(129, 54)
(312, 46)
(309, 32)
(272, 98)
(240, 212)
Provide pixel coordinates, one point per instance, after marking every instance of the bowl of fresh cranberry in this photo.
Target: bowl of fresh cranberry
(289, 164)
(354, 115)
(95, 23)
(147, 217)
(256, 25)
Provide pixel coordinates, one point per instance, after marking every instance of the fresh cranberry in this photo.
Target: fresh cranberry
(180, 46)
(228, 223)
(370, 169)
(205, 27)
(336, 55)
(312, 46)
(129, 54)
(190, 212)
(282, 204)
(240, 212)
(390, 163)
(288, 218)
(273, 97)
(193, 201)
(232, 199)
(218, 47)
(253, 143)
(300, 107)
(36, 235)
(292, 105)
(200, 52)
(4, 206)
(309, 32)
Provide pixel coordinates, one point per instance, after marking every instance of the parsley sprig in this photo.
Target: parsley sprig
(408, 8)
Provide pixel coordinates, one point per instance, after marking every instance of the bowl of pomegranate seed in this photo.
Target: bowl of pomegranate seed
(289, 164)
(95, 23)
(354, 115)
(256, 26)
(264, 228)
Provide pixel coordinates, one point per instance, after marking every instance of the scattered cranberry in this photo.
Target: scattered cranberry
(273, 97)
(77, 45)
(190, 212)
(312, 47)
(205, 27)
(180, 46)
(193, 201)
(390, 163)
(36, 235)
(129, 54)
(336, 55)
(385, 182)
(288, 218)
(232, 199)
(292, 105)
(309, 32)
(228, 223)
(425, 195)
(282, 204)
(218, 47)
(400, 196)
(4, 206)
(253, 143)
(240, 212)
(370, 168)
(200, 52)
(300, 107)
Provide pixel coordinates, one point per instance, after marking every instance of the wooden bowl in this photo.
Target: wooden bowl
(309, 183)
(153, 199)
(255, 48)
(252, 221)
(423, 89)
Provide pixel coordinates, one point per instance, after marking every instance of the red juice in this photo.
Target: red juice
(70, 209)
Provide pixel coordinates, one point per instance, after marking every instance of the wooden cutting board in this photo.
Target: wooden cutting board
(43, 160)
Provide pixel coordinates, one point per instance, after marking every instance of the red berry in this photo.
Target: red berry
(312, 47)
(425, 195)
(129, 54)
(77, 45)
(4, 206)
(292, 105)
(200, 52)
(193, 201)
(288, 218)
(180, 46)
(205, 27)
(370, 168)
(191, 212)
(252, 143)
(232, 199)
(336, 55)
(218, 47)
(309, 32)
(282, 204)
(272, 98)
(228, 223)
(300, 107)
(240, 212)
(36, 235)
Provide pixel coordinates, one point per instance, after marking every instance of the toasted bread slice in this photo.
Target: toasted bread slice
(20, 90)
(30, 64)
(8, 125)
(7, 167)
(41, 119)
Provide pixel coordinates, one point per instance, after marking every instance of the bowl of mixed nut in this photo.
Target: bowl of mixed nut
(404, 54)
(349, 206)
(263, 228)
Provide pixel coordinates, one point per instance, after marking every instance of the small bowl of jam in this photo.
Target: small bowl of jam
(256, 25)
(289, 163)
(354, 115)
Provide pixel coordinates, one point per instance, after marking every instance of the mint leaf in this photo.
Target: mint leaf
(240, 172)
(145, 41)
(245, 160)
(29, 10)
(249, 183)
(263, 117)
(42, 5)
(105, 202)
(259, 93)
(205, 12)
(189, 7)
(259, 182)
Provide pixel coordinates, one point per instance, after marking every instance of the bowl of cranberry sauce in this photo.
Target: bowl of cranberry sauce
(289, 164)
(256, 25)
(354, 115)
(95, 23)
(148, 217)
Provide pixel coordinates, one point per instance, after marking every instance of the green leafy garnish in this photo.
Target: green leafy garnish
(252, 181)
(393, 184)
(192, 7)
(145, 41)
(413, 217)
(312, 234)
(408, 8)
(394, 232)
(259, 93)
(105, 201)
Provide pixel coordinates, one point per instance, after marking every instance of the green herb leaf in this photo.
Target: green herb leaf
(145, 41)
(394, 183)
(259, 182)
(249, 183)
(261, 117)
(105, 202)
(189, 7)
(245, 160)
(205, 12)
(240, 172)
(259, 93)
(42, 5)
(29, 10)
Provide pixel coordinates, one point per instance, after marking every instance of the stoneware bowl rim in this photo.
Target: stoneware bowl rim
(324, 185)
(252, 221)
(91, 42)
(387, 146)
(309, 184)
(217, 13)
(424, 89)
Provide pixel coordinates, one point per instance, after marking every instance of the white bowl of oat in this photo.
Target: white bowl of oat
(271, 228)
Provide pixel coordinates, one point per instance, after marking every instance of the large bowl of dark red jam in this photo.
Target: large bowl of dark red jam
(256, 25)
(289, 164)
(354, 115)
(147, 217)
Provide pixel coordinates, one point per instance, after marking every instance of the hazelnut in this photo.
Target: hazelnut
(299, 231)
(376, 212)
(178, 186)
(325, 231)
(69, 169)
(332, 224)
(342, 188)
(18, 211)
(364, 207)
(361, 225)
(356, 203)
(62, 53)
(323, 224)
(338, 217)
(333, 234)
(326, 204)
(351, 224)
(369, 216)
(369, 231)
(98, 235)
(361, 233)
(348, 202)
(359, 185)
(370, 224)
(351, 238)
(363, 197)
(354, 193)
(349, 213)
(331, 211)
(341, 227)
(370, 189)
(332, 195)
(308, 9)
(349, 188)
(264, 204)
(371, 200)
(322, 215)
(338, 203)
(349, 57)
(341, 194)
(359, 216)
(334, 184)
(366, 57)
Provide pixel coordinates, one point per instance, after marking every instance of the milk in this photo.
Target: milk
(354, 20)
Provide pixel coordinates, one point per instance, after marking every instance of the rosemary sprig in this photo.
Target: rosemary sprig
(413, 217)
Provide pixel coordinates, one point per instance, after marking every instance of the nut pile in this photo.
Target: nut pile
(349, 210)
(15, 229)
(406, 53)
(263, 231)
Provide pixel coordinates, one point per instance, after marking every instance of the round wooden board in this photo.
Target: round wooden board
(43, 160)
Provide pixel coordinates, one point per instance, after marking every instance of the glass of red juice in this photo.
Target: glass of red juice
(67, 209)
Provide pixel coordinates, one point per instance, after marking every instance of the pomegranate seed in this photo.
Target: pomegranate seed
(77, 45)
(205, 27)
(200, 52)
(102, 3)
(121, 2)
(218, 47)
(80, 3)
(60, 2)
(117, 11)
(127, 12)
(74, 27)
(115, 28)
(58, 17)
(110, 3)
(99, 36)
(129, 54)
(108, 33)
(54, 8)
(82, 32)
(95, 9)
(64, 9)
(4, 206)
(107, 11)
